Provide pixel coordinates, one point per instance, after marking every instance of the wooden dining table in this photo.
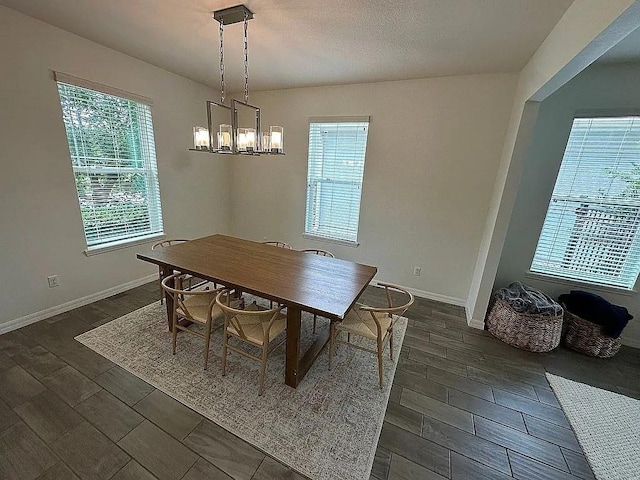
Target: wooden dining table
(300, 281)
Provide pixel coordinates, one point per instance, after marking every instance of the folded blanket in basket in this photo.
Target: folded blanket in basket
(596, 309)
(525, 299)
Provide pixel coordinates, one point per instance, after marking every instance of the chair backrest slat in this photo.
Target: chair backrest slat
(180, 296)
(391, 310)
(238, 318)
(278, 244)
(167, 243)
(319, 251)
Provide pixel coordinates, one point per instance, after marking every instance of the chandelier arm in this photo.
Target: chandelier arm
(246, 59)
(222, 85)
(231, 138)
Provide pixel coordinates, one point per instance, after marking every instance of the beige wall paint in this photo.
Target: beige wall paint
(432, 154)
(611, 88)
(40, 226)
(412, 196)
(583, 34)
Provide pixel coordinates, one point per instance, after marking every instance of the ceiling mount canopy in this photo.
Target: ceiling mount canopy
(235, 129)
(231, 15)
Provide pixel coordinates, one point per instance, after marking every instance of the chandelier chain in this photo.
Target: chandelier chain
(222, 86)
(246, 60)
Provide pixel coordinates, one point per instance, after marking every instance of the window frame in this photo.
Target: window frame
(537, 274)
(149, 170)
(313, 234)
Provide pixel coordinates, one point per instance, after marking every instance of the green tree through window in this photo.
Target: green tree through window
(113, 158)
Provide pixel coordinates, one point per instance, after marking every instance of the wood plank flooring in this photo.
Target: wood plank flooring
(463, 406)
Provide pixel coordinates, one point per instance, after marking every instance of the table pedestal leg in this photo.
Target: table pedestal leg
(297, 365)
(291, 377)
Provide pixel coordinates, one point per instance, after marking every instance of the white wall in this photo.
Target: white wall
(40, 226)
(605, 88)
(432, 154)
(586, 30)
(443, 205)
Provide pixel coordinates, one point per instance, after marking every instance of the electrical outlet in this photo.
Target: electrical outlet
(53, 281)
(417, 271)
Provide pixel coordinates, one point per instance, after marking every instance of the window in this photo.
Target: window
(590, 233)
(337, 148)
(114, 163)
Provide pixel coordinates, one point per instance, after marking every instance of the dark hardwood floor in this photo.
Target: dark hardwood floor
(463, 405)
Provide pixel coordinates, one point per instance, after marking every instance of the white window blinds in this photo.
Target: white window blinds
(591, 232)
(114, 163)
(334, 182)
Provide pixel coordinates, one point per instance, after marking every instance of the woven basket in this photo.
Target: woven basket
(586, 337)
(536, 333)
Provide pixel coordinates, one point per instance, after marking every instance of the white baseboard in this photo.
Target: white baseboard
(459, 302)
(475, 323)
(80, 302)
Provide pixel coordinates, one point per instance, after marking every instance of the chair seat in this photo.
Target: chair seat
(254, 327)
(360, 322)
(198, 307)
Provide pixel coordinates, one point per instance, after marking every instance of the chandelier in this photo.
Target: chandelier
(235, 129)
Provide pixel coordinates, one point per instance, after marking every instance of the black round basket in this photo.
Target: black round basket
(586, 337)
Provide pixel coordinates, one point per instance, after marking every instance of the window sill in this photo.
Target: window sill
(120, 244)
(578, 283)
(331, 240)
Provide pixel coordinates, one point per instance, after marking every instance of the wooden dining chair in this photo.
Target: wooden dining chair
(324, 253)
(162, 244)
(371, 323)
(254, 325)
(195, 306)
(278, 244)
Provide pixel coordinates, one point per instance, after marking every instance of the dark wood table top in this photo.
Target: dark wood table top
(323, 285)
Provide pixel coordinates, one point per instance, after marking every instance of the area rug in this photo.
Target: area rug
(327, 428)
(607, 426)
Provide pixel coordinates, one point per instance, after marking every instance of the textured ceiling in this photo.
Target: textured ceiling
(295, 43)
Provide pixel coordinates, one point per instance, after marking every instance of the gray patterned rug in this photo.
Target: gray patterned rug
(607, 426)
(327, 428)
